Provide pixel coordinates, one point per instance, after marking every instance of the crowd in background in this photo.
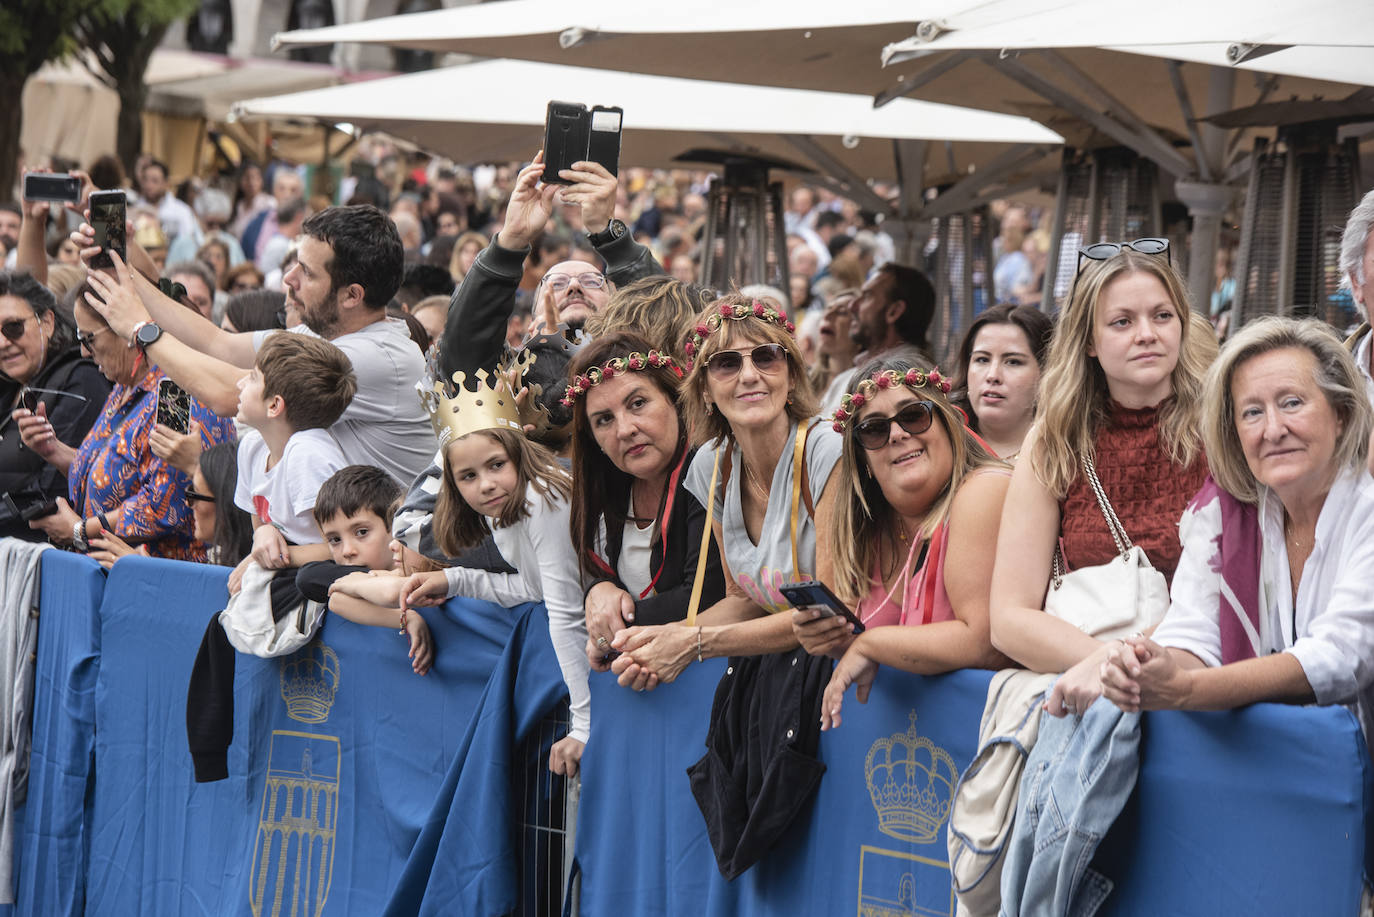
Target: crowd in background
(679, 455)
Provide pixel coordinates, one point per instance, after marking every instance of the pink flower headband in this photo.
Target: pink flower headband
(735, 312)
(912, 378)
(616, 366)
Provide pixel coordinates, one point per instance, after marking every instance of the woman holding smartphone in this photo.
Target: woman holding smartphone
(920, 489)
(115, 482)
(765, 474)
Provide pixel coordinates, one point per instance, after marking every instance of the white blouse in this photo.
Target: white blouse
(1330, 628)
(541, 551)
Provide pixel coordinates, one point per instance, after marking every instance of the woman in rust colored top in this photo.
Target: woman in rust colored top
(1122, 386)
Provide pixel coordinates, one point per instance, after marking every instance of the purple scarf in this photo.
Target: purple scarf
(1237, 559)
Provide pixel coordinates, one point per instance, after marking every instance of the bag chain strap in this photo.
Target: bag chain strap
(1119, 536)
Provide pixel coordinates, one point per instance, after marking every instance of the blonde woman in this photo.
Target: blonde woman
(747, 393)
(1123, 388)
(1287, 425)
(920, 490)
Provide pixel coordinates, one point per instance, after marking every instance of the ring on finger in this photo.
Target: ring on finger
(601, 642)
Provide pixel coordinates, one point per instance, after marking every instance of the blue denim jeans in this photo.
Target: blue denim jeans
(1076, 782)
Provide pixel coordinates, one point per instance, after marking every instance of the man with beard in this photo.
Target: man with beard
(348, 267)
(891, 316)
(475, 332)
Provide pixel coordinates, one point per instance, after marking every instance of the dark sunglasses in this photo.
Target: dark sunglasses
(30, 395)
(1101, 251)
(194, 497)
(14, 328)
(726, 364)
(875, 432)
(85, 339)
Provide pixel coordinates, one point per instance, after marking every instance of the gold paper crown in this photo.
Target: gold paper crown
(911, 781)
(308, 683)
(480, 401)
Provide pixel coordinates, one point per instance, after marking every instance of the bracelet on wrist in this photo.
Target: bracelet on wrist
(402, 631)
(699, 659)
(79, 541)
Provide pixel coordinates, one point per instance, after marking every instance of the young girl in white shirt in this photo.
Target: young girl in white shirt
(496, 481)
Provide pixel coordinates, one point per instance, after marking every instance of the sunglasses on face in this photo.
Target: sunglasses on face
(1101, 251)
(875, 432)
(195, 497)
(14, 328)
(726, 364)
(85, 339)
(588, 281)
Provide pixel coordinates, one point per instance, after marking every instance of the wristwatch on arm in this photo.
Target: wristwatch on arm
(614, 230)
(146, 334)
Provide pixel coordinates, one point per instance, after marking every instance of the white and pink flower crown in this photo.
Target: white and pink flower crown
(735, 312)
(880, 381)
(616, 366)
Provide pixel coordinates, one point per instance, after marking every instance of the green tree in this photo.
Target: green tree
(122, 34)
(32, 32)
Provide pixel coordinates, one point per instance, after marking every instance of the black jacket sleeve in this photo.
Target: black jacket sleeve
(684, 549)
(628, 261)
(475, 331)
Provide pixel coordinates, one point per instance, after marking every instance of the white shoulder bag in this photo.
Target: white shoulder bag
(1110, 600)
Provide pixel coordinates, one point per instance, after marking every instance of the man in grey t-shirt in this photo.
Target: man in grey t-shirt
(349, 267)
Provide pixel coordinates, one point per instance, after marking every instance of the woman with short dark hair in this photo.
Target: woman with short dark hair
(42, 373)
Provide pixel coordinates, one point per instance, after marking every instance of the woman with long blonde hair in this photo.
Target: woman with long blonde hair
(1122, 390)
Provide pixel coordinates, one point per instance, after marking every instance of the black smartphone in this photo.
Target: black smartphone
(603, 143)
(109, 213)
(58, 187)
(815, 594)
(567, 126)
(173, 406)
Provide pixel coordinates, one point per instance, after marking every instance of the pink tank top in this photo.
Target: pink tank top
(924, 599)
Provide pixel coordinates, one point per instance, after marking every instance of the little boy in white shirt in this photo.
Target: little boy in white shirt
(297, 389)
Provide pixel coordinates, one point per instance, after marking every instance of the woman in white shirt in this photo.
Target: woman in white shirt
(1271, 599)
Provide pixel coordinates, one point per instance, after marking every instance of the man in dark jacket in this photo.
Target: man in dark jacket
(475, 332)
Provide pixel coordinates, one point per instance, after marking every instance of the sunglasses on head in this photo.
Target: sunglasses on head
(726, 364)
(1101, 251)
(195, 497)
(14, 328)
(588, 281)
(874, 432)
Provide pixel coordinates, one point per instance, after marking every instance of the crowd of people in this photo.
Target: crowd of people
(485, 385)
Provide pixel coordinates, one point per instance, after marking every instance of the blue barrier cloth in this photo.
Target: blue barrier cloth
(1262, 811)
(641, 840)
(54, 847)
(875, 831)
(338, 753)
(1257, 811)
(464, 862)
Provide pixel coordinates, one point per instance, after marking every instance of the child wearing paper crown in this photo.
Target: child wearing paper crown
(496, 480)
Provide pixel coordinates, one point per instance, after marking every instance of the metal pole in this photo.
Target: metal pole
(1288, 232)
(1247, 235)
(1048, 303)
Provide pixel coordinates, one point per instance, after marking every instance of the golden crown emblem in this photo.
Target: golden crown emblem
(308, 683)
(472, 402)
(911, 782)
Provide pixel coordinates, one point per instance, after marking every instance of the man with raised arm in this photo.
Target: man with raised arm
(349, 266)
(475, 332)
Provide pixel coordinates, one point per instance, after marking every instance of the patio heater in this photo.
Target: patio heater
(958, 260)
(1105, 194)
(744, 240)
(1302, 188)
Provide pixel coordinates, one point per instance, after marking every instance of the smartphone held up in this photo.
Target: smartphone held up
(574, 133)
(54, 187)
(109, 213)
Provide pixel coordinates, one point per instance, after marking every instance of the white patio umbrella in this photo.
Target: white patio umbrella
(495, 110)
